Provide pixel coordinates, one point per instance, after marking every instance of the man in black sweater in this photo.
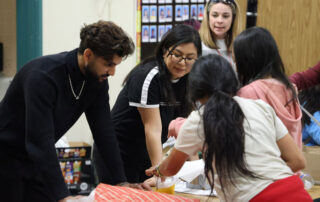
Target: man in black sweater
(45, 98)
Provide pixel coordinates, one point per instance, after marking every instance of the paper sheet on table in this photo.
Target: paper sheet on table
(189, 171)
(182, 187)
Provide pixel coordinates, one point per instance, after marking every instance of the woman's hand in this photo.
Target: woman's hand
(142, 186)
(151, 181)
(151, 171)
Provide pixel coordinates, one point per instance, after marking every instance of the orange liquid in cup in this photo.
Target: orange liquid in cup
(167, 190)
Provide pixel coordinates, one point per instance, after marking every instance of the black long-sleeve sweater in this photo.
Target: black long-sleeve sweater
(39, 108)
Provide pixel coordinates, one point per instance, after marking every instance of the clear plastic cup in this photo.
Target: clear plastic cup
(167, 186)
(307, 180)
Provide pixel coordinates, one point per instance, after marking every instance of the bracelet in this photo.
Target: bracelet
(158, 171)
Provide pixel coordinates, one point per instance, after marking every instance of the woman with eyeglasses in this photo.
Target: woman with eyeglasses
(219, 27)
(154, 93)
(248, 153)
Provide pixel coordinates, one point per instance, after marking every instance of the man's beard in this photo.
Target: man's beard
(90, 75)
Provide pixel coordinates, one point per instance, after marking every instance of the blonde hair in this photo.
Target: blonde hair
(206, 34)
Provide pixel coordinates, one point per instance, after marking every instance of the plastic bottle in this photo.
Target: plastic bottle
(307, 180)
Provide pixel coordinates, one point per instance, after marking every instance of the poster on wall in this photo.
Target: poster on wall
(153, 33)
(161, 31)
(162, 16)
(185, 15)
(145, 1)
(145, 33)
(193, 11)
(153, 13)
(161, 1)
(145, 13)
(168, 13)
(178, 16)
(200, 11)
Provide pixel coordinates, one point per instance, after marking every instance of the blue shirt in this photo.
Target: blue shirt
(312, 130)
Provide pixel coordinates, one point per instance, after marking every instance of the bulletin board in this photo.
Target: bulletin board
(156, 17)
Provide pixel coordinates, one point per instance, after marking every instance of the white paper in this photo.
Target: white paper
(182, 187)
(190, 170)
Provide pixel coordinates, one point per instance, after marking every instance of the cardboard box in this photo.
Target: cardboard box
(312, 155)
(76, 166)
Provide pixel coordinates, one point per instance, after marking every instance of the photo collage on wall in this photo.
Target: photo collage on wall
(159, 16)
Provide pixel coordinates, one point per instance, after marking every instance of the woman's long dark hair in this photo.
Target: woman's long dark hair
(212, 77)
(257, 57)
(309, 98)
(178, 35)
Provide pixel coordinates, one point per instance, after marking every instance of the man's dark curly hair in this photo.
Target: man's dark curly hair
(105, 39)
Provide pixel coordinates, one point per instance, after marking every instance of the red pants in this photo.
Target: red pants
(285, 190)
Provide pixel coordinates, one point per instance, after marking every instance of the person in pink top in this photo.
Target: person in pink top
(262, 75)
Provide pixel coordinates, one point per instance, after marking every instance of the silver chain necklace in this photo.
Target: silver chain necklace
(77, 97)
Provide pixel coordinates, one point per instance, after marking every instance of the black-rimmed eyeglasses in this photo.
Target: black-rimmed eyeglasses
(178, 58)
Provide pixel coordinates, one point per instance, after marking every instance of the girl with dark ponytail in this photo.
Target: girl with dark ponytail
(248, 152)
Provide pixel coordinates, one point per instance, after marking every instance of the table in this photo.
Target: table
(315, 192)
(202, 198)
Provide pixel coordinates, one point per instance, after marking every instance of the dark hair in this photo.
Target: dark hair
(193, 23)
(179, 34)
(213, 77)
(309, 98)
(105, 39)
(257, 57)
